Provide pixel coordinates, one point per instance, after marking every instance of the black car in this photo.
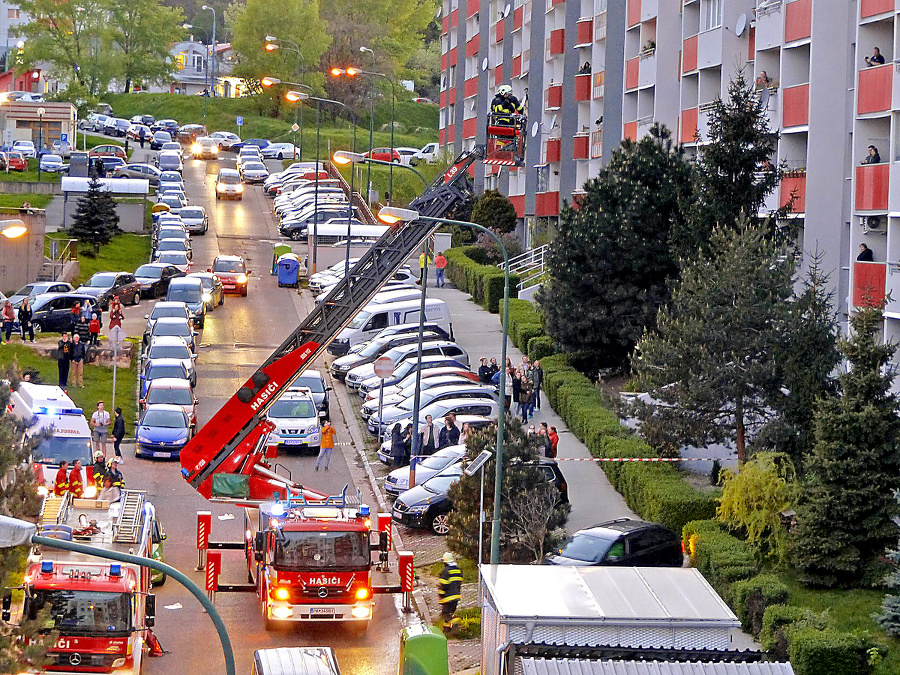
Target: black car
(625, 542)
(165, 125)
(313, 380)
(104, 286)
(53, 311)
(428, 505)
(154, 278)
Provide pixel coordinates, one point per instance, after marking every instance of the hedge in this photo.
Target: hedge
(751, 597)
(466, 270)
(779, 620)
(540, 347)
(720, 557)
(815, 652)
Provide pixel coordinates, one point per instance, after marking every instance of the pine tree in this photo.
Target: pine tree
(95, 219)
(846, 505)
(889, 617)
(611, 260)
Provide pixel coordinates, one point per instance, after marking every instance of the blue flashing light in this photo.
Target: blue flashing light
(278, 509)
(185, 473)
(363, 511)
(115, 570)
(47, 567)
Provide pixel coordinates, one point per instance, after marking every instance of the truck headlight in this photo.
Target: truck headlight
(196, 148)
(220, 187)
(361, 612)
(118, 663)
(282, 612)
(90, 492)
(238, 188)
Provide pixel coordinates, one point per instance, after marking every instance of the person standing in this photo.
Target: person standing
(100, 425)
(427, 437)
(110, 493)
(397, 446)
(327, 445)
(9, 318)
(407, 444)
(61, 484)
(25, 315)
(63, 356)
(79, 353)
(76, 482)
(99, 468)
(449, 591)
(113, 472)
(554, 441)
(537, 377)
(94, 328)
(484, 371)
(118, 433)
(142, 137)
(424, 260)
(82, 329)
(87, 310)
(450, 433)
(525, 392)
(115, 313)
(440, 264)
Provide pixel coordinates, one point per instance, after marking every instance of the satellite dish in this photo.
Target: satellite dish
(506, 10)
(484, 64)
(553, 122)
(437, 14)
(535, 128)
(741, 25)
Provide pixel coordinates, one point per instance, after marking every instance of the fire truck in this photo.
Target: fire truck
(101, 611)
(311, 560)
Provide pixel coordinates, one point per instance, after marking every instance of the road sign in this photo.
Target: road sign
(295, 127)
(116, 336)
(384, 367)
(64, 137)
(240, 120)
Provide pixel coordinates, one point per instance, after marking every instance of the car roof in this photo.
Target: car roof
(234, 258)
(618, 527)
(168, 340)
(166, 362)
(170, 383)
(229, 172)
(169, 303)
(163, 320)
(184, 281)
(155, 264)
(171, 407)
(202, 275)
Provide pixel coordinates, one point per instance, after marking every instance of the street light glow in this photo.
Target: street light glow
(295, 96)
(269, 81)
(12, 229)
(270, 47)
(392, 215)
(343, 157)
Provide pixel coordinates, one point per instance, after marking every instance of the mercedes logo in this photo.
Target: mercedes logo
(323, 592)
(75, 659)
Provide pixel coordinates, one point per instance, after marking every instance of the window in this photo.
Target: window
(12, 13)
(710, 14)
(543, 178)
(198, 63)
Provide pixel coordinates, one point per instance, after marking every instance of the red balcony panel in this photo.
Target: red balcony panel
(632, 70)
(546, 204)
(442, 136)
(472, 47)
(797, 20)
(454, 18)
(558, 2)
(554, 150)
(470, 126)
(689, 125)
(517, 66)
(518, 14)
(470, 88)
(444, 61)
(558, 41)
(554, 96)
(584, 32)
(472, 8)
(875, 89)
(582, 147)
(443, 99)
(501, 29)
(451, 95)
(498, 75)
(583, 87)
(630, 131)
(451, 134)
(796, 106)
(869, 283)
(634, 12)
(518, 201)
(796, 184)
(751, 48)
(869, 8)
(451, 57)
(689, 55)
(872, 182)
(445, 25)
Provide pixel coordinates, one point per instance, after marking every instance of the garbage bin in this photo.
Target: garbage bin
(423, 651)
(288, 270)
(280, 250)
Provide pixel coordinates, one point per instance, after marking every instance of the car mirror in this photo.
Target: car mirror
(329, 388)
(146, 316)
(193, 357)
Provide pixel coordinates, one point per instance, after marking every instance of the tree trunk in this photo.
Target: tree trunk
(127, 85)
(740, 432)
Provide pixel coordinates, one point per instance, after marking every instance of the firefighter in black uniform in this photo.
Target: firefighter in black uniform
(449, 589)
(505, 105)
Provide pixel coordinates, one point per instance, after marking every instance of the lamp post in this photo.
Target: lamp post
(394, 215)
(273, 43)
(272, 81)
(342, 157)
(15, 532)
(190, 26)
(40, 112)
(213, 73)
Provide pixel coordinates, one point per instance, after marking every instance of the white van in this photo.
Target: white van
(296, 421)
(43, 407)
(374, 317)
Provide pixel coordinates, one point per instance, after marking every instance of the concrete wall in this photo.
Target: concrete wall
(21, 259)
(35, 188)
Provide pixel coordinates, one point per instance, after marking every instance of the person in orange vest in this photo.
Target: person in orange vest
(326, 445)
(76, 484)
(61, 484)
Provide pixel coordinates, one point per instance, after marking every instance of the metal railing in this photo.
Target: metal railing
(365, 213)
(61, 251)
(529, 266)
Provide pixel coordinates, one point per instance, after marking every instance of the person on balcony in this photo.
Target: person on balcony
(876, 59)
(865, 254)
(873, 156)
(763, 81)
(585, 69)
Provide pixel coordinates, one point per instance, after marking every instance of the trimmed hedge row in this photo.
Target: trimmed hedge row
(752, 597)
(814, 652)
(524, 323)
(720, 557)
(779, 620)
(484, 283)
(540, 347)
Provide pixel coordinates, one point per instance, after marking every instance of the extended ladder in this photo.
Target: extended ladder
(131, 517)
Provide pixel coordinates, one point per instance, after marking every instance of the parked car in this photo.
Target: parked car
(162, 432)
(229, 185)
(173, 146)
(233, 272)
(169, 160)
(213, 290)
(180, 260)
(16, 161)
(384, 155)
(151, 173)
(32, 290)
(280, 151)
(172, 391)
(225, 139)
(446, 348)
(191, 132)
(255, 142)
(634, 543)
(51, 163)
(172, 177)
(166, 309)
(158, 138)
(120, 127)
(170, 347)
(176, 327)
(52, 312)
(168, 245)
(134, 132)
(195, 219)
(397, 481)
(61, 148)
(390, 414)
(429, 153)
(104, 286)
(165, 125)
(26, 148)
(154, 278)
(408, 156)
(109, 150)
(407, 368)
(205, 147)
(189, 291)
(110, 164)
(254, 172)
(315, 382)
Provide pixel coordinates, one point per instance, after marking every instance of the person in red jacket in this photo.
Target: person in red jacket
(94, 328)
(61, 484)
(554, 440)
(76, 484)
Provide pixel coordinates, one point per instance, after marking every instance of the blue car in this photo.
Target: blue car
(162, 368)
(163, 430)
(258, 142)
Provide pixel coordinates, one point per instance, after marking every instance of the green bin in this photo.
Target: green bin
(280, 250)
(423, 651)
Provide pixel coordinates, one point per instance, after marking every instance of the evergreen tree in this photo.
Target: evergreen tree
(889, 617)
(711, 363)
(846, 505)
(495, 212)
(95, 219)
(612, 258)
(521, 476)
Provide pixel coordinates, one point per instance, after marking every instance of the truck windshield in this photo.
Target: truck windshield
(82, 612)
(54, 449)
(322, 550)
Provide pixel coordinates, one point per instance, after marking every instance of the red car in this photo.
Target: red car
(232, 272)
(17, 161)
(108, 151)
(384, 155)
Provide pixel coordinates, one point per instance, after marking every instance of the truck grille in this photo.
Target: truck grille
(83, 660)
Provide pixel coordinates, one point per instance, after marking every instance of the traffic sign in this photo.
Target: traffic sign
(240, 120)
(116, 336)
(64, 137)
(295, 127)
(384, 367)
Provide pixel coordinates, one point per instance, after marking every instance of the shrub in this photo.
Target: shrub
(751, 597)
(813, 652)
(524, 332)
(720, 557)
(779, 620)
(467, 270)
(540, 347)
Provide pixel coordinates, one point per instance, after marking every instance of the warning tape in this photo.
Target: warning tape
(638, 459)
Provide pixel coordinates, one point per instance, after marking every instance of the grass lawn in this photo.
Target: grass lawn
(29, 176)
(97, 381)
(15, 201)
(126, 252)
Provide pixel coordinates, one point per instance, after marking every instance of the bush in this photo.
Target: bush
(467, 270)
(751, 598)
(814, 652)
(720, 557)
(524, 332)
(540, 347)
(778, 621)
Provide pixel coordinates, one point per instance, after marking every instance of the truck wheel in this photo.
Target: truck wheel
(440, 524)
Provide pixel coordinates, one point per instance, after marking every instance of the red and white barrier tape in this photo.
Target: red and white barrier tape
(638, 459)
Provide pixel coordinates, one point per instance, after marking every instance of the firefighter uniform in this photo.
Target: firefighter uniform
(76, 484)
(449, 589)
(118, 480)
(61, 484)
(99, 469)
(509, 105)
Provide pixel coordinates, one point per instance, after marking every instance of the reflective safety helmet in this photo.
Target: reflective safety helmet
(504, 90)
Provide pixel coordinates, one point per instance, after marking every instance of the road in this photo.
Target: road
(237, 337)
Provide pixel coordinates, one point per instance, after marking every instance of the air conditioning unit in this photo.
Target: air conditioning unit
(874, 224)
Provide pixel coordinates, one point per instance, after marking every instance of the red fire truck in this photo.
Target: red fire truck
(102, 611)
(311, 560)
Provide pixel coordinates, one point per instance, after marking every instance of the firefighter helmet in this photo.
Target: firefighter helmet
(504, 90)
(448, 557)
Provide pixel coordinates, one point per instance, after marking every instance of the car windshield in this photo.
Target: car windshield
(54, 449)
(371, 349)
(206, 281)
(170, 352)
(179, 328)
(295, 409)
(82, 612)
(169, 419)
(228, 266)
(170, 200)
(585, 548)
(319, 550)
(25, 290)
(254, 166)
(191, 213)
(185, 293)
(173, 258)
(172, 245)
(170, 395)
(172, 176)
(101, 281)
(158, 370)
(359, 320)
(437, 462)
(228, 178)
(441, 483)
(148, 272)
(179, 311)
(314, 384)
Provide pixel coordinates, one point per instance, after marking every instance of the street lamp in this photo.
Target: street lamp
(393, 215)
(343, 157)
(213, 73)
(15, 532)
(41, 112)
(12, 229)
(272, 44)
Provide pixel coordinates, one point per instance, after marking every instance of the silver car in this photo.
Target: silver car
(195, 219)
(170, 347)
(254, 172)
(169, 160)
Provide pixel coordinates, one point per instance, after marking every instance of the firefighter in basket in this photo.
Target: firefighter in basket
(505, 107)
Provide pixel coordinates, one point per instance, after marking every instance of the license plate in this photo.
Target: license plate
(162, 454)
(321, 611)
(293, 441)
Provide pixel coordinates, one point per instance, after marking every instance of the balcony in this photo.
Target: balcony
(472, 7)
(581, 147)
(797, 20)
(632, 72)
(499, 30)
(795, 106)
(872, 186)
(584, 32)
(472, 47)
(599, 85)
(874, 91)
(583, 87)
(554, 97)
(556, 43)
(869, 8)
(629, 130)
(647, 69)
(597, 144)
(689, 55)
(634, 13)
(454, 18)
(517, 66)
(470, 87)
(794, 183)
(546, 204)
(869, 282)
(470, 127)
(553, 150)
(689, 125)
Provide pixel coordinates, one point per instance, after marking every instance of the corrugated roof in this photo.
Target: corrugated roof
(587, 667)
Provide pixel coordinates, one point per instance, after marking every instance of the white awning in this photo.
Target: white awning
(121, 186)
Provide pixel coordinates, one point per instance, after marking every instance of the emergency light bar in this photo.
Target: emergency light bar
(45, 410)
